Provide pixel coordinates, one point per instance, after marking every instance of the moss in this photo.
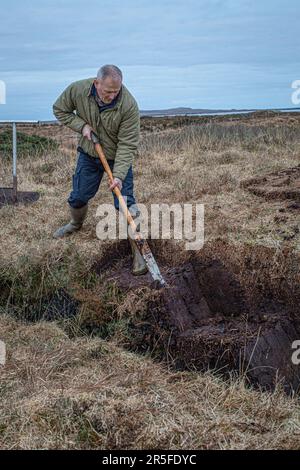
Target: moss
(27, 145)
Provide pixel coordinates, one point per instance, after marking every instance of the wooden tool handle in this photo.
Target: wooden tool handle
(116, 190)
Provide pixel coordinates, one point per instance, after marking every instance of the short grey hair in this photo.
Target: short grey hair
(110, 71)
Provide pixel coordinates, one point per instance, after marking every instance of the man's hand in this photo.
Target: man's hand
(86, 132)
(116, 182)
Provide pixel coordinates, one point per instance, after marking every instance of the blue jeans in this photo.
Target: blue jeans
(87, 178)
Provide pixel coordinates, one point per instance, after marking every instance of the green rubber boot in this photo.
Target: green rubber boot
(139, 265)
(77, 218)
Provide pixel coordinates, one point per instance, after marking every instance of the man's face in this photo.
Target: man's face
(107, 88)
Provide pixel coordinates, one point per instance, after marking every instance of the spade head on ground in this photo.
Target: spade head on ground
(24, 197)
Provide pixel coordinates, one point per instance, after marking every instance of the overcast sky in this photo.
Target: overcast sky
(197, 53)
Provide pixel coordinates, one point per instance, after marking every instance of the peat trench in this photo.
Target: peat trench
(220, 317)
(226, 309)
(280, 185)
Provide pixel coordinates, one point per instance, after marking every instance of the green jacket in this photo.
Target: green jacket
(118, 128)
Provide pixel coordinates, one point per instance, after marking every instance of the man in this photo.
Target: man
(104, 106)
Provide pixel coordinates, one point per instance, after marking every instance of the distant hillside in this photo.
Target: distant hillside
(183, 110)
(186, 110)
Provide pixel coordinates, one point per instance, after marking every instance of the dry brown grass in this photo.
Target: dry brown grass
(87, 393)
(60, 391)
